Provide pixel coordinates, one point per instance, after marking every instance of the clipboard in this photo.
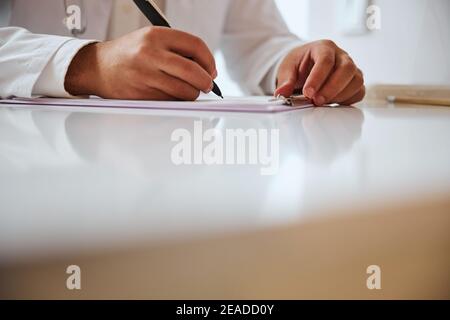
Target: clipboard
(249, 104)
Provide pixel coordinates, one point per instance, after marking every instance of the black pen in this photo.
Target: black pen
(157, 18)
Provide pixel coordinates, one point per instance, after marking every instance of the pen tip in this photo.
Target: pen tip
(216, 90)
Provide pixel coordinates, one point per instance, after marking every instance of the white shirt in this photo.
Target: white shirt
(251, 33)
(125, 18)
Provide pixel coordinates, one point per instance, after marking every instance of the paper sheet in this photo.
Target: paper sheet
(248, 104)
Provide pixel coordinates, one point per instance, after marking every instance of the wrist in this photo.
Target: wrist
(82, 72)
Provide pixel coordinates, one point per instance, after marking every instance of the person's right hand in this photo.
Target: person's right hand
(153, 63)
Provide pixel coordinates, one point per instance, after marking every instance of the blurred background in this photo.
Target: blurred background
(412, 45)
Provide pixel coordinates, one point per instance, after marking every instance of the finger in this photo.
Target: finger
(287, 76)
(303, 71)
(293, 75)
(192, 47)
(324, 60)
(344, 72)
(173, 87)
(352, 88)
(356, 98)
(187, 70)
(152, 94)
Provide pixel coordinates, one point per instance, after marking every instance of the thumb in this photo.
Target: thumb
(287, 77)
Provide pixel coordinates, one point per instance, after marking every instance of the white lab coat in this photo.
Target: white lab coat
(251, 33)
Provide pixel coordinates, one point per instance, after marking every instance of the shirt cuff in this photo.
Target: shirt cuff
(51, 81)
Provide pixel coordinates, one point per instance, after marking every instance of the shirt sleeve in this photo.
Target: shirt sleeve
(26, 57)
(256, 39)
(51, 80)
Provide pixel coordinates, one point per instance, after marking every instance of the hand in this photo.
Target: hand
(152, 63)
(324, 72)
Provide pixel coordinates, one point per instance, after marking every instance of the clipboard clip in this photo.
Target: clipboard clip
(292, 101)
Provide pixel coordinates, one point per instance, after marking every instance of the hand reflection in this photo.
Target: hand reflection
(329, 132)
(126, 141)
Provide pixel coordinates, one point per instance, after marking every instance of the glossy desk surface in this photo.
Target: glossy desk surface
(79, 179)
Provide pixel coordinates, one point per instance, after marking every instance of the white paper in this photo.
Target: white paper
(204, 103)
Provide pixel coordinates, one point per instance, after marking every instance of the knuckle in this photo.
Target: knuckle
(328, 59)
(196, 42)
(157, 35)
(348, 66)
(151, 32)
(141, 50)
(327, 43)
(200, 43)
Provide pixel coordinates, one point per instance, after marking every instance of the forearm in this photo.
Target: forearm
(80, 78)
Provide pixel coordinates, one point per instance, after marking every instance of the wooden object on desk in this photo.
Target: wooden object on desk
(422, 101)
(381, 92)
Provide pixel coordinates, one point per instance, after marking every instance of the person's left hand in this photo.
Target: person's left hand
(323, 72)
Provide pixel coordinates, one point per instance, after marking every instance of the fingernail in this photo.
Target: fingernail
(319, 100)
(309, 92)
(215, 74)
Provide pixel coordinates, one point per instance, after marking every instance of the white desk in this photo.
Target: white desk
(90, 186)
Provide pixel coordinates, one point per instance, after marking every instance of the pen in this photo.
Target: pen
(157, 18)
